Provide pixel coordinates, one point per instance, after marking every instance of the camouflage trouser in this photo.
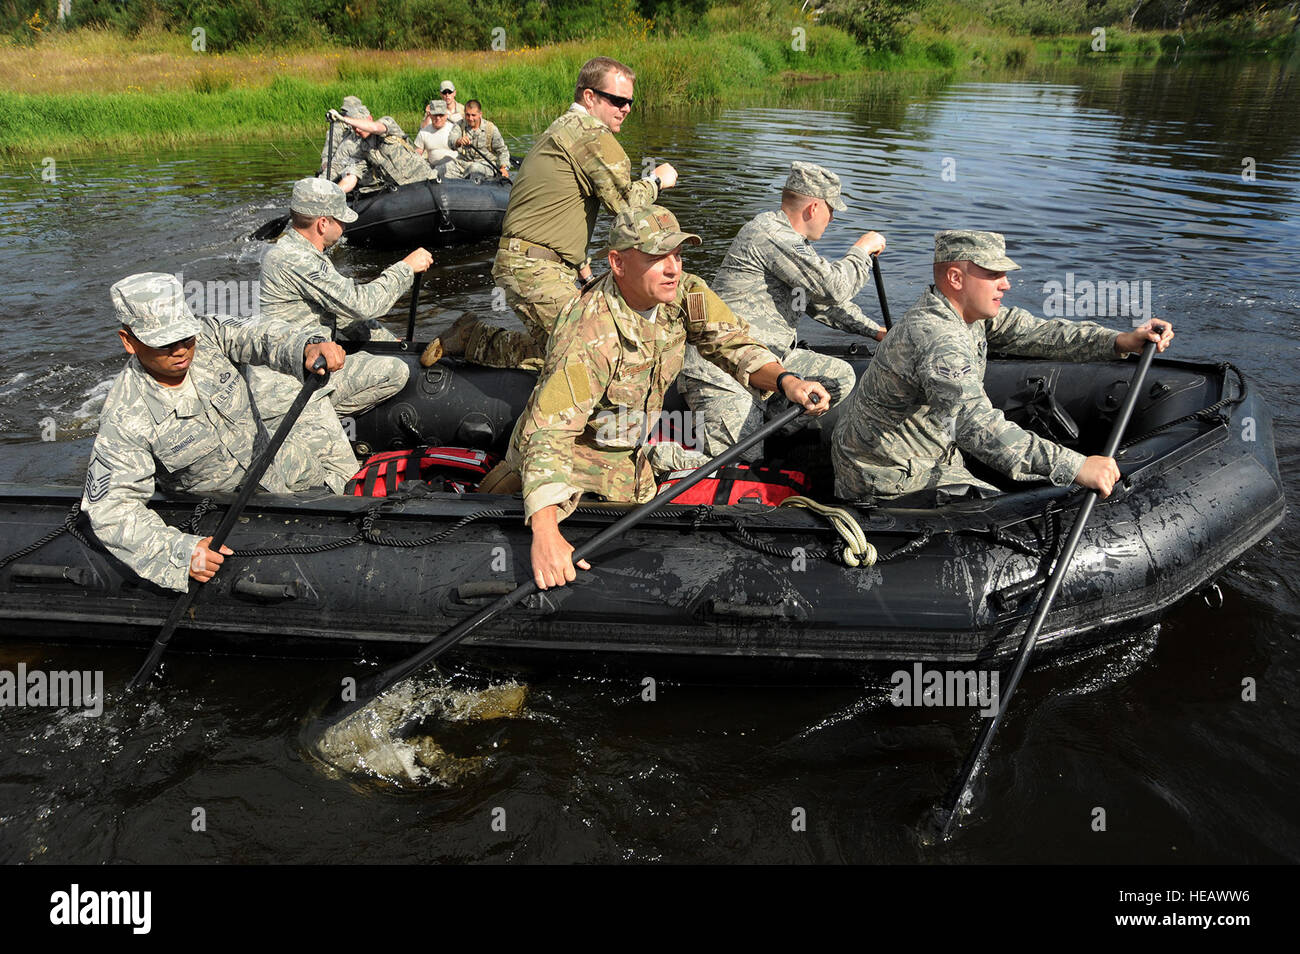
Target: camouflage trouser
(366, 379)
(725, 413)
(316, 451)
(895, 469)
(464, 168)
(538, 291)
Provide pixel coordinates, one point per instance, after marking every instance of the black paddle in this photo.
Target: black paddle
(415, 299)
(947, 813)
(272, 229)
(488, 159)
(183, 603)
(880, 290)
(383, 681)
(327, 172)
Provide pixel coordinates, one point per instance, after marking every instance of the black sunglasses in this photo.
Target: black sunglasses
(618, 102)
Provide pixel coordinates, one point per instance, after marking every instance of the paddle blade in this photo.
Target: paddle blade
(271, 230)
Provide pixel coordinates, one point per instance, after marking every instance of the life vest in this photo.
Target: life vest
(446, 468)
(753, 483)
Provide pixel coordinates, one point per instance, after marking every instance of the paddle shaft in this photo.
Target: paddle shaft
(415, 300)
(490, 161)
(975, 761)
(451, 637)
(246, 489)
(880, 291)
(329, 163)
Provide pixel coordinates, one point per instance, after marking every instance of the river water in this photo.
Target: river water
(1183, 177)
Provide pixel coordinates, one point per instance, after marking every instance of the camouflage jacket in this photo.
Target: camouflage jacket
(572, 170)
(488, 139)
(771, 276)
(602, 389)
(385, 160)
(301, 287)
(199, 441)
(922, 398)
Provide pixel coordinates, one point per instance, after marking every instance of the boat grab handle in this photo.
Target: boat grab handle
(41, 573)
(248, 586)
(741, 610)
(482, 589)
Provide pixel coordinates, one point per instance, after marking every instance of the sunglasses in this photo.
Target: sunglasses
(618, 102)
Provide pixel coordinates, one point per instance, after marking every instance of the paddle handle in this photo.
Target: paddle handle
(880, 291)
(442, 643)
(415, 300)
(186, 600)
(975, 761)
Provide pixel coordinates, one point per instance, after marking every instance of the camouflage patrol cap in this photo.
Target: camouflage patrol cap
(651, 229)
(354, 108)
(812, 180)
(437, 107)
(985, 249)
(152, 305)
(320, 197)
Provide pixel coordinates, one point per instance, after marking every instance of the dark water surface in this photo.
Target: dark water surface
(1132, 175)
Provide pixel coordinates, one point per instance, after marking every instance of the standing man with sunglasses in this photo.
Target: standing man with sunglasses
(576, 167)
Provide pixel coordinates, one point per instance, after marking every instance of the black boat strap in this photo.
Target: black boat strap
(442, 204)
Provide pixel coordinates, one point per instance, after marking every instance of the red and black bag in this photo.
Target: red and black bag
(754, 483)
(452, 468)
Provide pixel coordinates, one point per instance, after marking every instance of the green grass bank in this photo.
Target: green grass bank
(77, 90)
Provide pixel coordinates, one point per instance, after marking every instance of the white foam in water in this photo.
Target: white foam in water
(94, 399)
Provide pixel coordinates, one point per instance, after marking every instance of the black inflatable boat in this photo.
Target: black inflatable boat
(711, 587)
(431, 214)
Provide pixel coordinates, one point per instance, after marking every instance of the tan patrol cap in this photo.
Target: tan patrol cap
(985, 249)
(651, 229)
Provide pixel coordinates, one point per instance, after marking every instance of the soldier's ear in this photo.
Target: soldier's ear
(616, 264)
(127, 341)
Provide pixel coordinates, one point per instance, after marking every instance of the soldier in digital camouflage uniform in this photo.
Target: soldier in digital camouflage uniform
(921, 401)
(180, 414)
(380, 156)
(339, 134)
(612, 356)
(301, 287)
(573, 169)
(472, 143)
(770, 276)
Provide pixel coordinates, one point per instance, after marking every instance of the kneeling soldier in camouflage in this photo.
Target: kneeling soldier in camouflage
(770, 276)
(614, 353)
(922, 397)
(180, 413)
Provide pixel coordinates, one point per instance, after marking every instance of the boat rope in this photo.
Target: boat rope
(68, 526)
(1207, 413)
(856, 550)
(369, 534)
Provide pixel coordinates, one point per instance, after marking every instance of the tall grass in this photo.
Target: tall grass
(214, 102)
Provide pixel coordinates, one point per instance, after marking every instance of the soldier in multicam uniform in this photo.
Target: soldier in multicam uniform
(613, 355)
(574, 168)
(181, 414)
(921, 401)
(301, 287)
(381, 155)
(769, 276)
(475, 138)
